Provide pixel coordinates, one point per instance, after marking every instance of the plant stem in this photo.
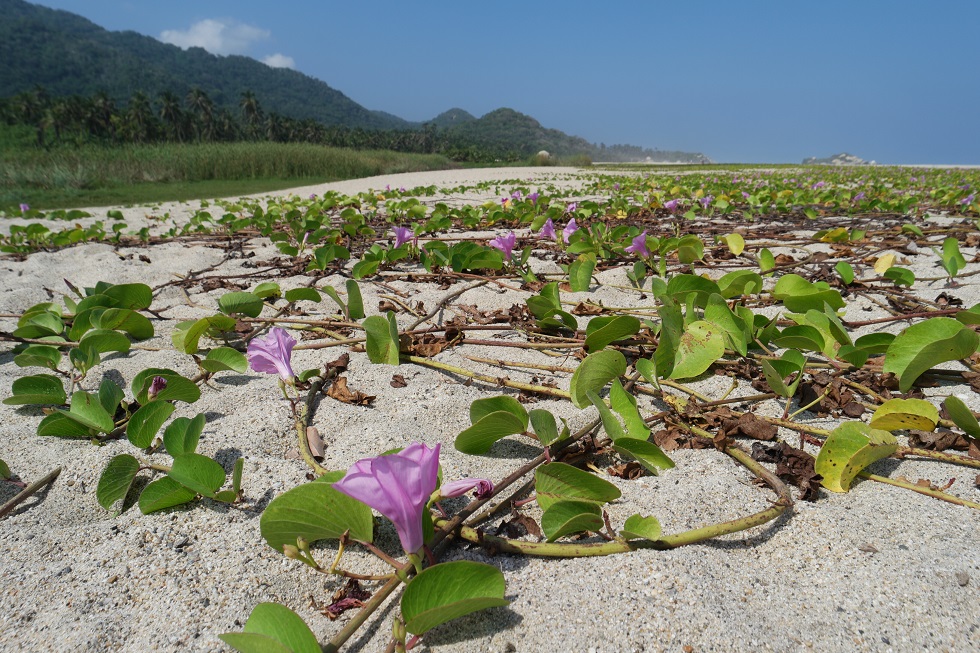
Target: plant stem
(462, 371)
(28, 491)
(928, 491)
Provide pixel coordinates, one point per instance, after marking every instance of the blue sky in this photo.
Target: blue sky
(748, 81)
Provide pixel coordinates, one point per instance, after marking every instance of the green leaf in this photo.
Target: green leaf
(567, 517)
(803, 337)
(62, 426)
(734, 242)
(926, 344)
(102, 340)
(480, 408)
(449, 590)
(4, 470)
(682, 286)
(110, 395)
(610, 424)
(701, 344)
(767, 261)
(800, 295)
(382, 339)
(544, 425)
(739, 282)
(38, 356)
(302, 294)
(365, 268)
(479, 437)
(962, 416)
(283, 626)
(776, 371)
(245, 303)
(187, 335)
(849, 448)
(122, 319)
(199, 473)
(646, 453)
(559, 481)
(164, 493)
(146, 421)
(183, 434)
(220, 359)
(845, 271)
(253, 643)
(355, 305)
(116, 480)
(134, 296)
(900, 276)
(602, 331)
(638, 527)
(580, 272)
(736, 333)
(898, 414)
(236, 476)
(315, 511)
(88, 411)
(269, 289)
(593, 373)
(37, 389)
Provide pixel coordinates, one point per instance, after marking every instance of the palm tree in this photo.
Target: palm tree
(139, 118)
(251, 113)
(172, 116)
(200, 104)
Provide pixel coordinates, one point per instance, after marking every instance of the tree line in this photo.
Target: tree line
(195, 118)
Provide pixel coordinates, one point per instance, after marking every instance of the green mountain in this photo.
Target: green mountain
(69, 55)
(454, 116)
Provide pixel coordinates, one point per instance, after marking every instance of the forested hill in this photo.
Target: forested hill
(69, 55)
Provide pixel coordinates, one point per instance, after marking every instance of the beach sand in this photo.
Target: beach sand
(877, 569)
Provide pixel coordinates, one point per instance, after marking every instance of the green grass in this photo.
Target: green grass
(97, 176)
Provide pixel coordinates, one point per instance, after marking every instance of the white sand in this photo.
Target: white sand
(80, 579)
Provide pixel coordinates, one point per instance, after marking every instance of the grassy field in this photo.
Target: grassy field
(96, 176)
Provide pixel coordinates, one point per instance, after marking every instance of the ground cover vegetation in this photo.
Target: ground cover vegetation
(742, 274)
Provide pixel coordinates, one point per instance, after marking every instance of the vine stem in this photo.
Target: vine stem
(486, 378)
(575, 550)
(928, 491)
(303, 422)
(28, 491)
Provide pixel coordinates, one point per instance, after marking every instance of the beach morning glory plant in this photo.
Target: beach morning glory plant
(639, 246)
(402, 235)
(547, 230)
(569, 229)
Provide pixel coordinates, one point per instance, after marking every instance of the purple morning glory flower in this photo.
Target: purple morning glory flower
(402, 235)
(533, 197)
(272, 353)
(819, 184)
(505, 244)
(639, 246)
(24, 208)
(569, 229)
(745, 195)
(860, 196)
(458, 488)
(706, 201)
(671, 205)
(570, 208)
(516, 195)
(387, 187)
(968, 199)
(547, 230)
(157, 385)
(615, 186)
(398, 486)
(401, 189)
(312, 196)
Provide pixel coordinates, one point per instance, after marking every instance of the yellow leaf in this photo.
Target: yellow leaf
(884, 262)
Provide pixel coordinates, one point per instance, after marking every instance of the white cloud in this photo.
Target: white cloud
(279, 60)
(217, 36)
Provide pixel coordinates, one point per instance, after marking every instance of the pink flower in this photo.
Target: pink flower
(272, 353)
(157, 385)
(571, 207)
(533, 197)
(569, 229)
(505, 244)
(402, 235)
(671, 205)
(639, 246)
(458, 488)
(547, 230)
(24, 208)
(398, 486)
